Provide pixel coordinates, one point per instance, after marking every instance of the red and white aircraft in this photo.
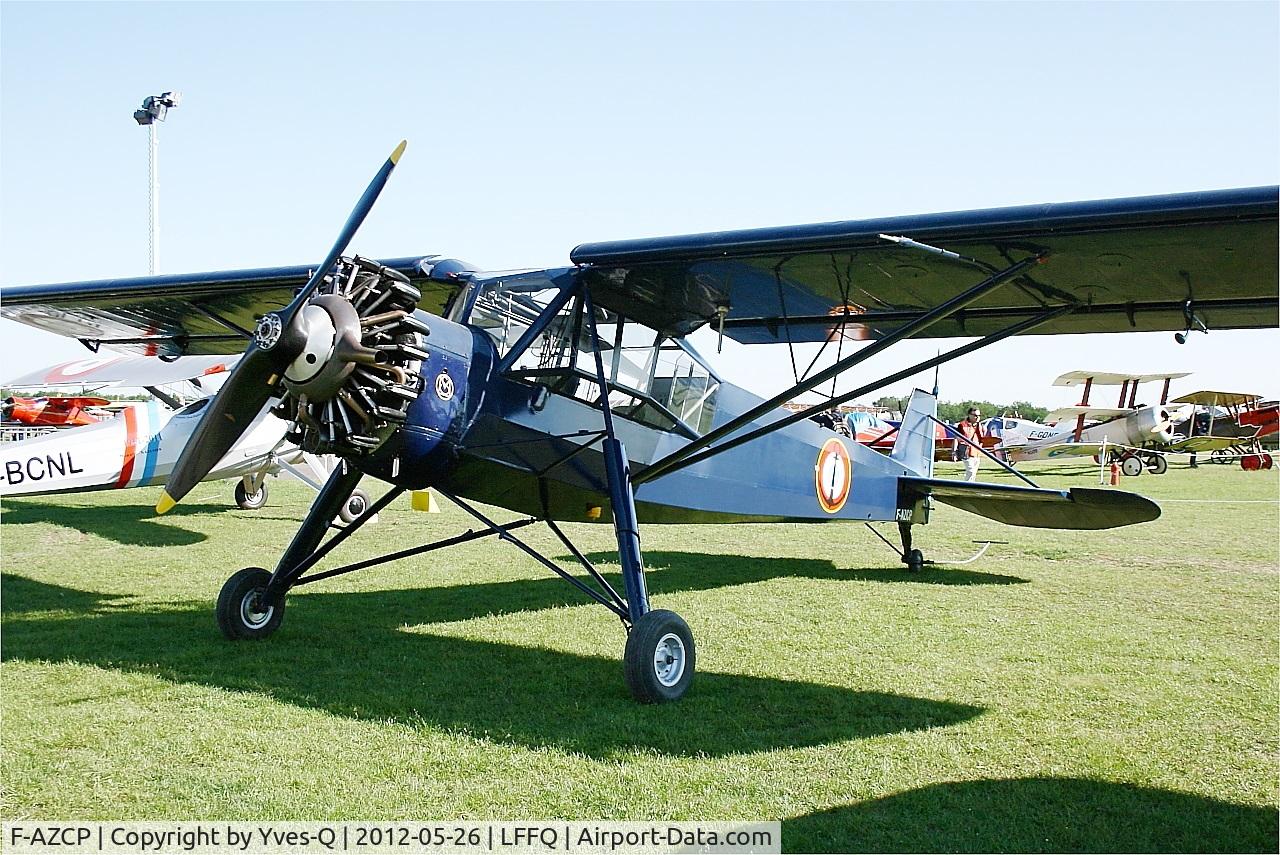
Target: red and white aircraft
(139, 446)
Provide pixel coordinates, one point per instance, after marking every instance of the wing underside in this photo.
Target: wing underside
(1123, 265)
(206, 313)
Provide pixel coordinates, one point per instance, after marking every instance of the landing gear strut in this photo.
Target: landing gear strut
(913, 558)
(251, 500)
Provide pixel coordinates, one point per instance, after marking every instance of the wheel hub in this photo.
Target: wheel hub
(252, 612)
(669, 659)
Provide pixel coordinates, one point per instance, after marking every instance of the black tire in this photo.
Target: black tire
(1131, 465)
(355, 505)
(914, 561)
(1157, 464)
(250, 501)
(239, 614)
(655, 675)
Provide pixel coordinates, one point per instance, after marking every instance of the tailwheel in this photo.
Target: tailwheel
(251, 501)
(1131, 465)
(914, 559)
(241, 612)
(659, 657)
(357, 503)
(1157, 465)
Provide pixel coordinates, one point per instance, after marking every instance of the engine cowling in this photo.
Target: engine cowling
(360, 366)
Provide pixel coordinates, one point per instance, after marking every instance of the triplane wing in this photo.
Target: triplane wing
(140, 371)
(570, 394)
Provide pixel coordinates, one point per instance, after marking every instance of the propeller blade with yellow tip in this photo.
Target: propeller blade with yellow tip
(254, 380)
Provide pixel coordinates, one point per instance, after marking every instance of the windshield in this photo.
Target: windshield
(652, 378)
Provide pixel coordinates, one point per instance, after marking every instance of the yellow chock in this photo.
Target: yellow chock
(593, 512)
(422, 500)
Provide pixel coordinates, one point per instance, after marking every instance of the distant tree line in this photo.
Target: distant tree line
(68, 393)
(954, 412)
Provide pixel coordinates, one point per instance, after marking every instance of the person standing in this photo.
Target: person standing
(972, 431)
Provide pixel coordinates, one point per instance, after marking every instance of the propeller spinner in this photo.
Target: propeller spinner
(340, 368)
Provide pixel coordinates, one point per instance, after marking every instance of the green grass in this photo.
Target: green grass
(1071, 691)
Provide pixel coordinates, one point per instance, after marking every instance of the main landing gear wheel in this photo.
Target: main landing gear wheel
(250, 501)
(1131, 465)
(659, 657)
(240, 611)
(357, 503)
(1157, 465)
(914, 561)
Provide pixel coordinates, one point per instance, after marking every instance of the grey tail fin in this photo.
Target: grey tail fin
(914, 446)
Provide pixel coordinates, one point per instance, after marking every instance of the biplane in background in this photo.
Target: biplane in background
(137, 444)
(521, 389)
(1236, 436)
(1132, 433)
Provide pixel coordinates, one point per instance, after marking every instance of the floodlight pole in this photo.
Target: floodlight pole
(153, 220)
(153, 111)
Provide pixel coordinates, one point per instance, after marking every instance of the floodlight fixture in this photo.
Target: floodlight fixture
(156, 107)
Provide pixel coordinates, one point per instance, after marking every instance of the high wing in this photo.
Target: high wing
(1149, 263)
(1140, 264)
(1210, 398)
(1077, 410)
(123, 370)
(173, 315)
(1106, 378)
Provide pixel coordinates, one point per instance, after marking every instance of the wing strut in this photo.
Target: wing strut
(679, 457)
(800, 415)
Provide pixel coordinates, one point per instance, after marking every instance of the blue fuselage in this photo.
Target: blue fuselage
(513, 443)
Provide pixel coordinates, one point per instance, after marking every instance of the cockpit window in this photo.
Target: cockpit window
(653, 379)
(194, 407)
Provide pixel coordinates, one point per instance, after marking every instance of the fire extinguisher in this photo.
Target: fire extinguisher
(1115, 473)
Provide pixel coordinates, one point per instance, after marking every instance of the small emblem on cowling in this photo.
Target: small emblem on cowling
(444, 386)
(267, 333)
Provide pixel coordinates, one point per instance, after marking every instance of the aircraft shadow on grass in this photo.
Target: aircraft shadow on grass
(348, 654)
(1036, 815)
(662, 565)
(20, 595)
(131, 525)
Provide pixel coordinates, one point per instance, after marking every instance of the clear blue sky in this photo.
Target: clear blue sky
(533, 128)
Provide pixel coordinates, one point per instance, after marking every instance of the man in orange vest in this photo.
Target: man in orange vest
(972, 431)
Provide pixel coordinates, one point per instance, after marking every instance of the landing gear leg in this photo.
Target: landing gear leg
(913, 558)
(659, 658)
(251, 604)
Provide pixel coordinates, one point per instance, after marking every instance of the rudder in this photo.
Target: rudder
(913, 447)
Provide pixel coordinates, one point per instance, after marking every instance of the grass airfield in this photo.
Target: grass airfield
(1070, 691)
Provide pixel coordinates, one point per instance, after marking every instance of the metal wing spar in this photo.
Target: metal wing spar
(1140, 264)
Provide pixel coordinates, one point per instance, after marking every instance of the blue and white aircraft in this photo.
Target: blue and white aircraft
(572, 393)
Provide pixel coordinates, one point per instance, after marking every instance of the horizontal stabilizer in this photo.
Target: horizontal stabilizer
(1077, 508)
